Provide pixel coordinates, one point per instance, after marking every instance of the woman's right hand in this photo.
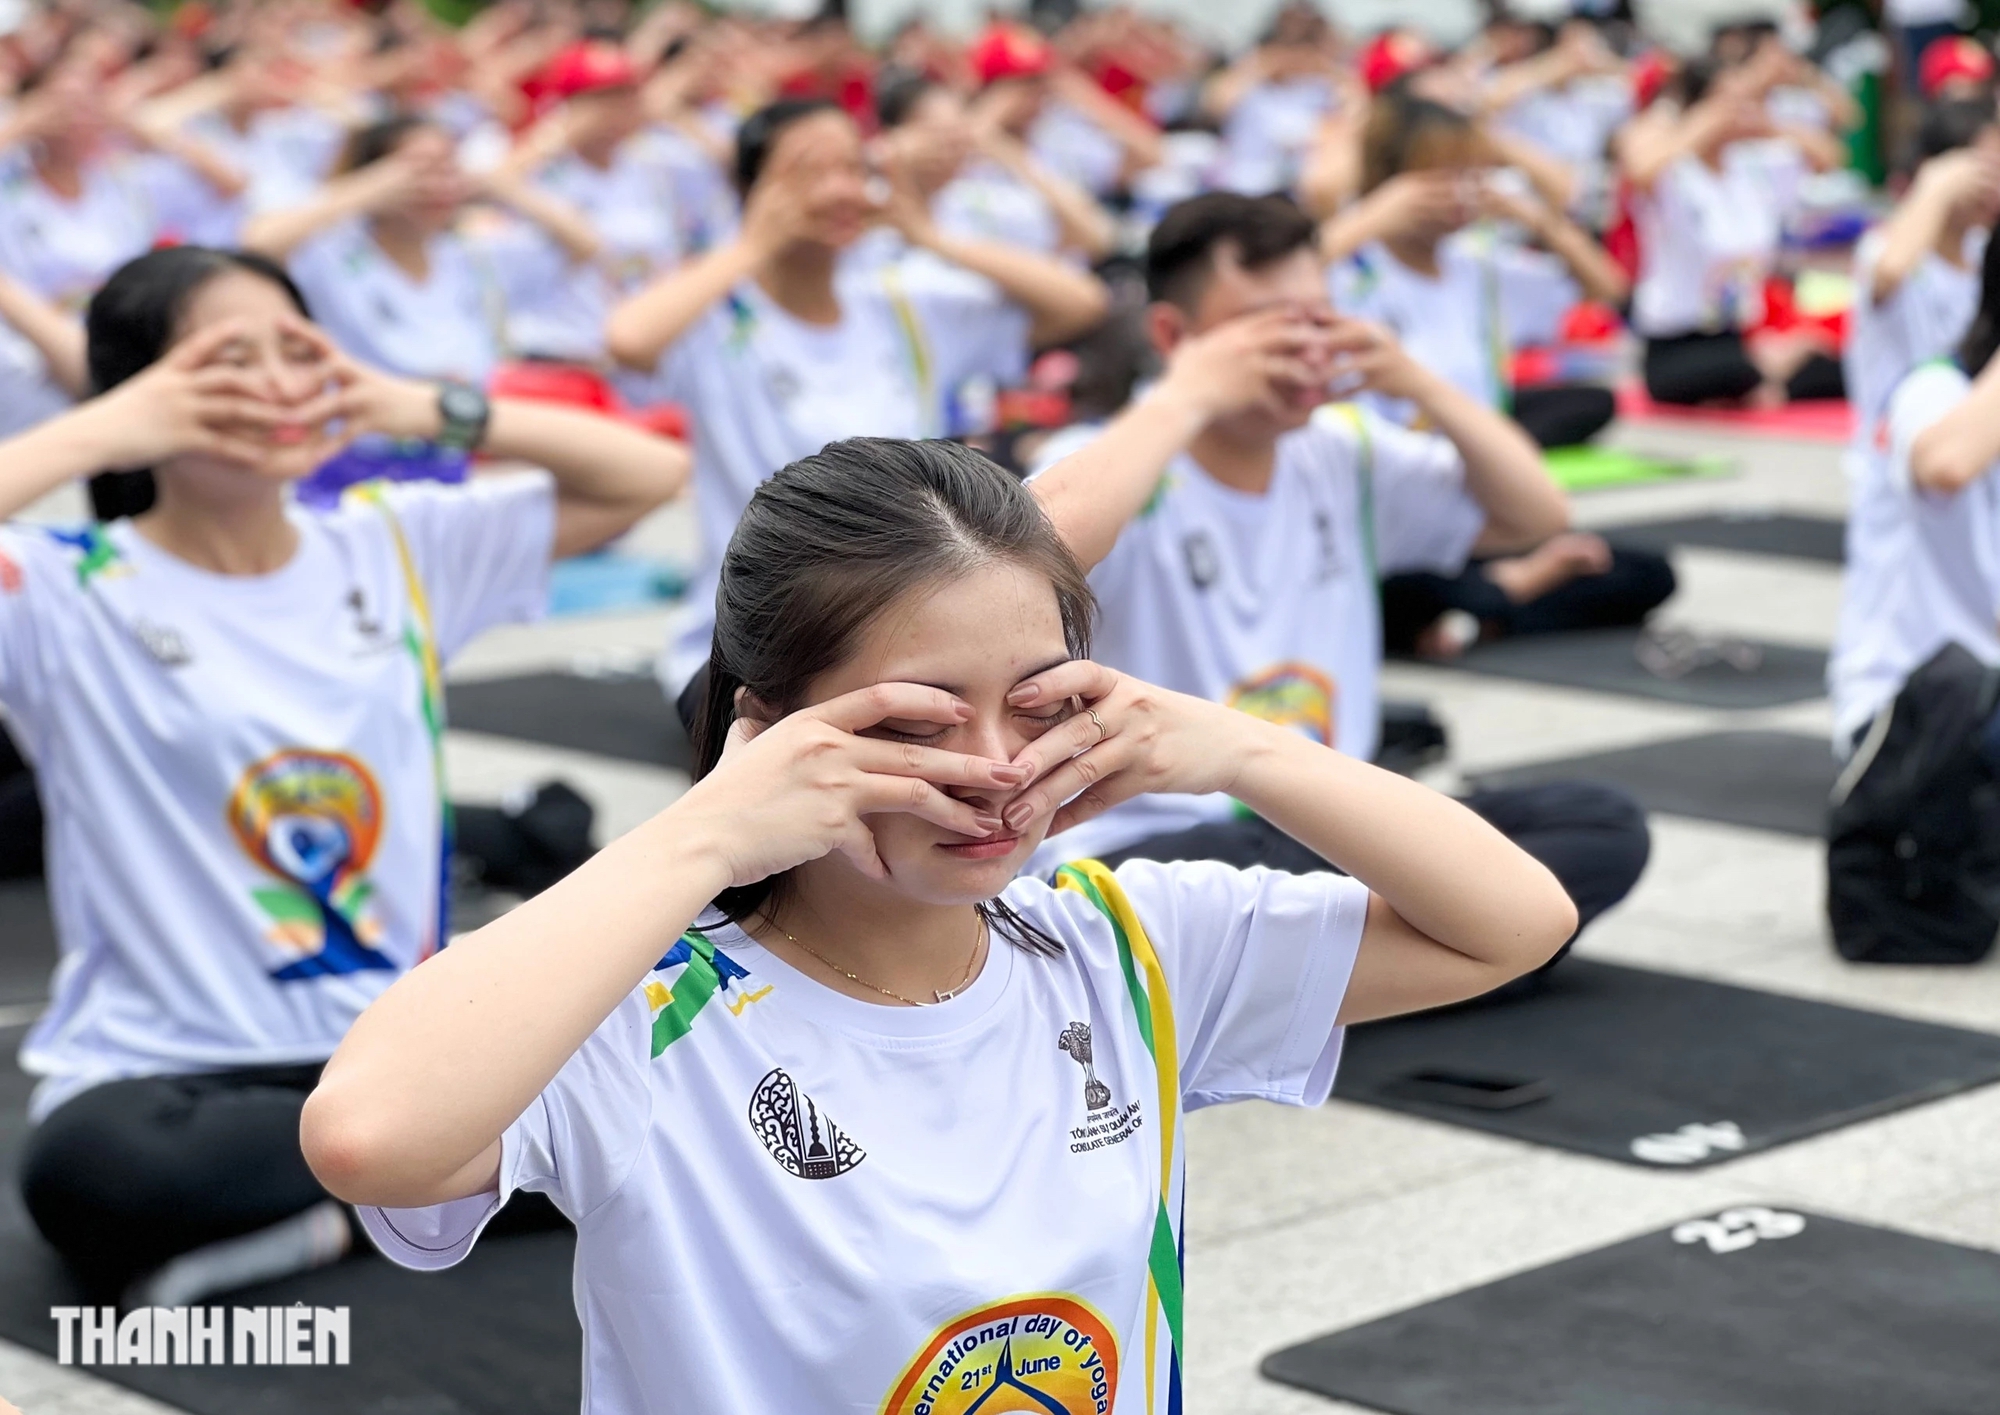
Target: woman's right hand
(799, 789)
(182, 404)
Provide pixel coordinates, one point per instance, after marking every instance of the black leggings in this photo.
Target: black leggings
(1593, 839)
(1707, 368)
(1637, 583)
(131, 1173)
(1564, 415)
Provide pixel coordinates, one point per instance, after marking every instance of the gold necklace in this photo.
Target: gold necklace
(971, 959)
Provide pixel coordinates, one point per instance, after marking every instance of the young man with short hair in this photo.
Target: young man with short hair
(1235, 525)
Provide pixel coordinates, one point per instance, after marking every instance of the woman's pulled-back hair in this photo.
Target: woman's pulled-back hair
(132, 321)
(830, 543)
(1983, 337)
(1400, 126)
(758, 135)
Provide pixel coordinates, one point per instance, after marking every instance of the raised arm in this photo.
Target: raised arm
(1086, 226)
(1455, 908)
(607, 474)
(1410, 201)
(278, 233)
(567, 226)
(1914, 228)
(1588, 263)
(411, 1108)
(57, 337)
(1092, 494)
(1503, 467)
(1960, 447)
(1062, 301)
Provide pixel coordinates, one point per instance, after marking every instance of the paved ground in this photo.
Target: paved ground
(1301, 1222)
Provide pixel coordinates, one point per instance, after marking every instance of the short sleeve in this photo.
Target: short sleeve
(576, 1142)
(1257, 962)
(1425, 519)
(482, 550)
(30, 574)
(1925, 395)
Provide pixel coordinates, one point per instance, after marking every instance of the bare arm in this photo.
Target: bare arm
(1455, 908)
(563, 222)
(1062, 301)
(646, 325)
(1915, 227)
(1591, 266)
(55, 335)
(1139, 138)
(170, 141)
(1086, 226)
(607, 474)
(1223, 91)
(278, 233)
(1962, 446)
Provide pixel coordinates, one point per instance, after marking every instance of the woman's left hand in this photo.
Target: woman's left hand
(370, 400)
(1128, 738)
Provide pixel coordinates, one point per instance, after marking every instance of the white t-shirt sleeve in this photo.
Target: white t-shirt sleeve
(1257, 962)
(1926, 394)
(1536, 291)
(576, 1142)
(29, 575)
(1425, 519)
(482, 550)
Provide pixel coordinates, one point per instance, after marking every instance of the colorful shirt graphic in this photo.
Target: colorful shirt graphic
(1042, 1353)
(1294, 695)
(313, 819)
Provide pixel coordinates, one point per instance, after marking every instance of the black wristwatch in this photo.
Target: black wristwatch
(463, 412)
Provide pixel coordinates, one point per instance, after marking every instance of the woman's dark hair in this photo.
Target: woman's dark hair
(131, 322)
(897, 94)
(1396, 125)
(761, 130)
(1953, 123)
(371, 144)
(1696, 77)
(1984, 335)
(831, 542)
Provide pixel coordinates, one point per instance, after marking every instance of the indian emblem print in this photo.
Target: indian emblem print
(799, 1135)
(1075, 1040)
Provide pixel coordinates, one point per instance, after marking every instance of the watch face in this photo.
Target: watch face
(462, 405)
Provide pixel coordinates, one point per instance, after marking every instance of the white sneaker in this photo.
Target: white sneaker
(304, 1241)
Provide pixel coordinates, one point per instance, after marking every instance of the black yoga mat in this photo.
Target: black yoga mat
(1607, 661)
(1755, 533)
(498, 1332)
(1811, 1314)
(627, 717)
(1769, 780)
(1657, 1070)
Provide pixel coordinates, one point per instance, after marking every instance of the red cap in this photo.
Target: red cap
(1392, 54)
(1954, 57)
(1650, 72)
(587, 67)
(1009, 52)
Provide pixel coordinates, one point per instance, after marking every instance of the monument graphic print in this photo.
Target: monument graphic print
(1075, 1040)
(799, 1135)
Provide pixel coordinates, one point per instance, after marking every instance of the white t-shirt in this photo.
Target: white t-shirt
(1939, 580)
(284, 154)
(764, 388)
(631, 205)
(450, 326)
(1574, 123)
(1707, 239)
(1923, 320)
(1069, 141)
(1489, 298)
(244, 812)
(1269, 603)
(988, 203)
(1269, 132)
(872, 1206)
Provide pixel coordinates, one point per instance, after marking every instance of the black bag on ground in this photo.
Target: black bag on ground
(1913, 853)
(527, 844)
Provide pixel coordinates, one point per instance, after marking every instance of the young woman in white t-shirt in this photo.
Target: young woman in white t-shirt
(786, 338)
(380, 253)
(234, 711)
(1714, 179)
(816, 1075)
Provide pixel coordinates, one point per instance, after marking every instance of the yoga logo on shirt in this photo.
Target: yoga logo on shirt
(1043, 1353)
(313, 820)
(799, 1135)
(1291, 694)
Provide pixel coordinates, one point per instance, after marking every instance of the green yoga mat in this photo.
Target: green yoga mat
(1589, 468)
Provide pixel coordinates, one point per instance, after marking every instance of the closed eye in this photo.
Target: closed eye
(922, 739)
